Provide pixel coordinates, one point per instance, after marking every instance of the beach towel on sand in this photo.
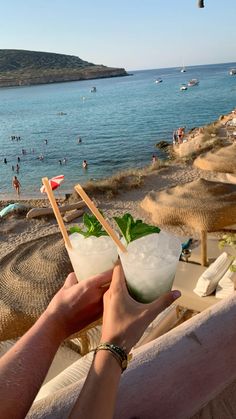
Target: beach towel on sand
(10, 208)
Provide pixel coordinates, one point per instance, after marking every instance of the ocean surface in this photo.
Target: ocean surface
(119, 124)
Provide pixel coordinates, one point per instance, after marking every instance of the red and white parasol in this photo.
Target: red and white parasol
(54, 182)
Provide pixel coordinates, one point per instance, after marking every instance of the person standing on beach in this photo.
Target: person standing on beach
(175, 138)
(154, 159)
(16, 185)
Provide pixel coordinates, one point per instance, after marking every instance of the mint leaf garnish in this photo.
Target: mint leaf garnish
(134, 229)
(92, 227)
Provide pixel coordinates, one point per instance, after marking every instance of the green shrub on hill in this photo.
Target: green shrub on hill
(21, 67)
(12, 60)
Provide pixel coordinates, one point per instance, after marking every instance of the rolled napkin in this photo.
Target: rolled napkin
(226, 286)
(208, 281)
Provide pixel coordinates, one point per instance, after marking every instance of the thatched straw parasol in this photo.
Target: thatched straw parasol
(222, 160)
(203, 205)
(30, 276)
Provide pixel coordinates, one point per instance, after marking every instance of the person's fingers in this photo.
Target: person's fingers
(70, 280)
(102, 279)
(118, 278)
(106, 296)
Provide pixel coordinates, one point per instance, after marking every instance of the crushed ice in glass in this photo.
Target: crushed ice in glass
(90, 244)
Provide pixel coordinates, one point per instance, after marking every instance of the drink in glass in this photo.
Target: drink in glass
(91, 255)
(150, 265)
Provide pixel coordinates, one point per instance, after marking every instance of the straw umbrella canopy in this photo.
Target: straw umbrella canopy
(222, 160)
(30, 277)
(202, 205)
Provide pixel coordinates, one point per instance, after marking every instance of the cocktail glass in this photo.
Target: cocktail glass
(91, 256)
(150, 265)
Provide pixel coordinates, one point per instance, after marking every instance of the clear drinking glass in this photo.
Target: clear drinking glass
(91, 256)
(150, 265)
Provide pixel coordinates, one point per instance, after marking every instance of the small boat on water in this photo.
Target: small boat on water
(93, 90)
(183, 70)
(232, 72)
(193, 82)
(159, 80)
(183, 87)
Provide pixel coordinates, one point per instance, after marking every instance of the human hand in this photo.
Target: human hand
(124, 319)
(78, 304)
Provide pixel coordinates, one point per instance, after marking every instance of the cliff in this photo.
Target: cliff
(21, 68)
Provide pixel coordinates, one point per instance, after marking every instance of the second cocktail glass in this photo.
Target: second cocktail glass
(150, 265)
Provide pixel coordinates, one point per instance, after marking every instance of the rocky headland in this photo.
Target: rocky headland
(25, 68)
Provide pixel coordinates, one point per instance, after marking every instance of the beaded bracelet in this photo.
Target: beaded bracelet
(118, 353)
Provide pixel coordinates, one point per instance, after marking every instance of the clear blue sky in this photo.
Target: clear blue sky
(134, 34)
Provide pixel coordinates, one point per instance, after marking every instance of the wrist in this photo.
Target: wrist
(52, 327)
(105, 359)
(116, 351)
(117, 340)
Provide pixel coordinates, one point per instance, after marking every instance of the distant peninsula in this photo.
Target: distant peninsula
(25, 68)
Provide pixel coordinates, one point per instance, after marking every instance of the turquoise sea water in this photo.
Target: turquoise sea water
(119, 125)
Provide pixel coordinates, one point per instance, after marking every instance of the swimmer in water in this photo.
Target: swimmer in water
(85, 164)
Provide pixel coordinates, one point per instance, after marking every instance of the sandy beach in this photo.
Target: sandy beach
(16, 229)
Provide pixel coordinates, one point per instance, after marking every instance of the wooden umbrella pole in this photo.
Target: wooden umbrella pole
(99, 217)
(56, 212)
(203, 248)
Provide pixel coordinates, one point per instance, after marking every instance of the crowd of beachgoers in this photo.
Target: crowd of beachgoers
(184, 144)
(179, 139)
(18, 160)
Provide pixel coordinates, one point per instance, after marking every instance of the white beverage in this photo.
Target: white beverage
(150, 265)
(91, 256)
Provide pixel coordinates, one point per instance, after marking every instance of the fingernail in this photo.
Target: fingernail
(176, 294)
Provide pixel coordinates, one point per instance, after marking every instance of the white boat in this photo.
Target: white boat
(193, 82)
(232, 72)
(159, 80)
(183, 70)
(183, 87)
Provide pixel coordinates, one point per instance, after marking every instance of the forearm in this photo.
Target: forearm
(24, 367)
(98, 396)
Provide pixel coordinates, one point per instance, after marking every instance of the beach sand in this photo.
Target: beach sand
(16, 229)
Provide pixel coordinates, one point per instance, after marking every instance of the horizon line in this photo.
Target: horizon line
(180, 66)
